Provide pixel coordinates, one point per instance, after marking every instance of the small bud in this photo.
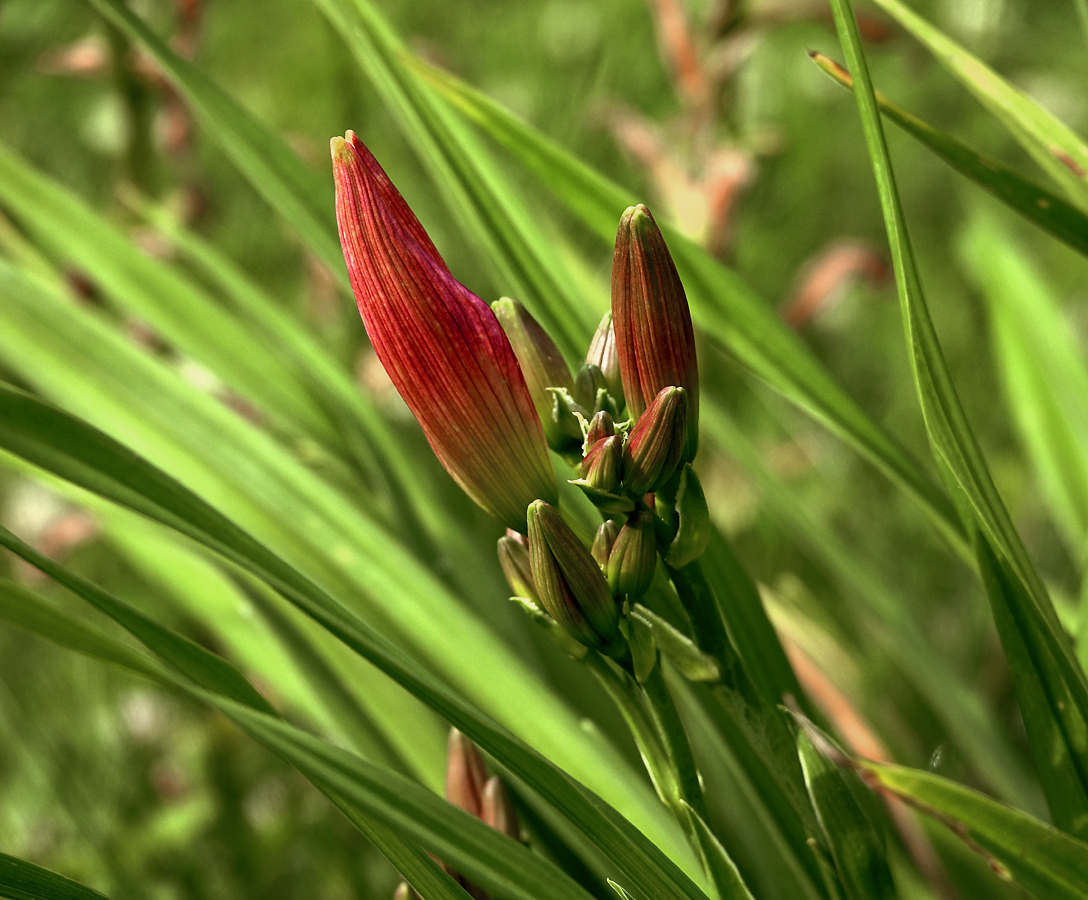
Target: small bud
(603, 541)
(404, 892)
(694, 521)
(570, 582)
(601, 426)
(514, 559)
(633, 558)
(497, 810)
(655, 445)
(601, 467)
(541, 363)
(602, 353)
(465, 773)
(590, 387)
(654, 337)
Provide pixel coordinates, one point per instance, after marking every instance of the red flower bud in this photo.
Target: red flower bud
(654, 337)
(603, 354)
(466, 773)
(655, 445)
(602, 464)
(441, 344)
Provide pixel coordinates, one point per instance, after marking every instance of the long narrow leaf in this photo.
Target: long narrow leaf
(1019, 848)
(69, 448)
(21, 880)
(1050, 212)
(1053, 145)
(1051, 687)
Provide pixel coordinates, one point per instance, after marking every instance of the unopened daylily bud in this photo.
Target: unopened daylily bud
(591, 389)
(404, 892)
(603, 541)
(466, 773)
(603, 463)
(654, 337)
(497, 810)
(541, 362)
(568, 414)
(633, 558)
(571, 585)
(603, 354)
(601, 426)
(441, 345)
(656, 443)
(514, 559)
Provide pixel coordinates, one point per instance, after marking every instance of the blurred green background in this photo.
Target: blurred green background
(111, 782)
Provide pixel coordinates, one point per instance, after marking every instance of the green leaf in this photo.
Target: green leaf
(65, 350)
(1053, 145)
(857, 846)
(722, 304)
(678, 648)
(1038, 205)
(1042, 368)
(1051, 687)
(400, 805)
(62, 444)
(303, 197)
(723, 870)
(21, 880)
(1021, 849)
(155, 293)
(202, 667)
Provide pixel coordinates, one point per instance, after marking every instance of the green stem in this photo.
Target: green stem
(675, 738)
(140, 150)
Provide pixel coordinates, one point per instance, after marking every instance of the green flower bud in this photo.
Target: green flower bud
(601, 467)
(571, 585)
(591, 389)
(541, 363)
(603, 541)
(603, 354)
(404, 892)
(656, 443)
(514, 558)
(567, 413)
(633, 558)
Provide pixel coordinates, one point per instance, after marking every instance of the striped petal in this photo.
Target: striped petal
(441, 345)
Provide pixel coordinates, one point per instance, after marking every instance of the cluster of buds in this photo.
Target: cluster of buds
(469, 787)
(493, 394)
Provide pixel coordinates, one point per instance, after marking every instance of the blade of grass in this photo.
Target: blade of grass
(1051, 686)
(1038, 205)
(1020, 849)
(1042, 368)
(1054, 146)
(856, 844)
(22, 880)
(71, 449)
(65, 350)
(303, 197)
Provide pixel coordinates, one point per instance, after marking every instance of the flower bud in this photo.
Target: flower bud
(541, 363)
(603, 463)
(590, 388)
(602, 353)
(633, 558)
(465, 773)
(441, 345)
(601, 426)
(603, 541)
(497, 810)
(404, 892)
(514, 559)
(654, 337)
(571, 585)
(655, 445)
